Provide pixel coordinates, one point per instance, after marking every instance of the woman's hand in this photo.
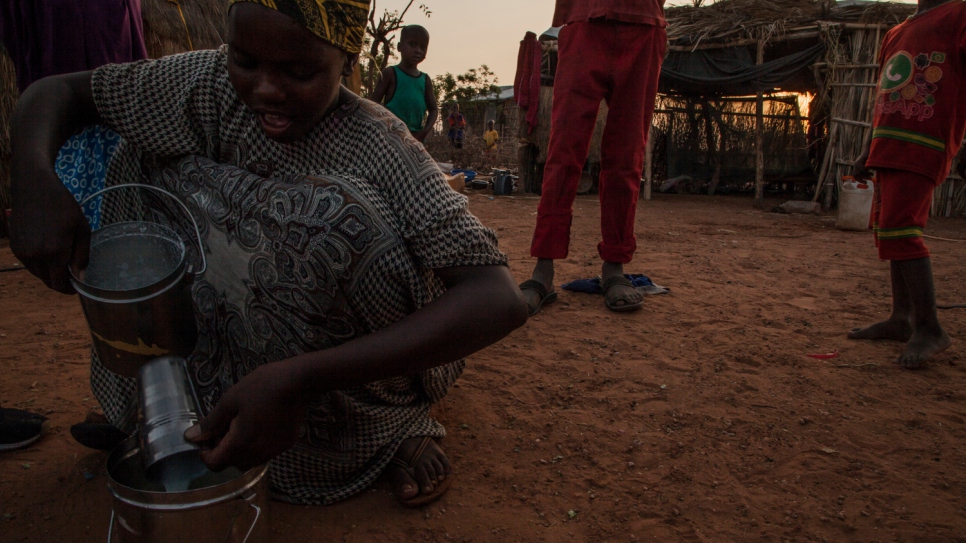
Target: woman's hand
(260, 416)
(48, 230)
(255, 421)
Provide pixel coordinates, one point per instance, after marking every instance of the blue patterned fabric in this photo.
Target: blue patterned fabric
(82, 166)
(592, 286)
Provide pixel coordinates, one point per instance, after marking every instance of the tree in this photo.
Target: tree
(464, 89)
(378, 48)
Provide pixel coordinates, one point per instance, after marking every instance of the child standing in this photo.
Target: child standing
(920, 120)
(457, 123)
(611, 50)
(408, 93)
(490, 139)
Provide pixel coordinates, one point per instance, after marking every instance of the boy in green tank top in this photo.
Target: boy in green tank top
(407, 92)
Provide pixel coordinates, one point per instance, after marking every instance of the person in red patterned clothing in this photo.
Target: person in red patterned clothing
(611, 50)
(920, 121)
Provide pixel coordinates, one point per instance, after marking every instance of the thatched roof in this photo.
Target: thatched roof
(205, 25)
(731, 20)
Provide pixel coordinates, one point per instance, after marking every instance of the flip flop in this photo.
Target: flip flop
(545, 298)
(409, 465)
(97, 433)
(19, 429)
(620, 305)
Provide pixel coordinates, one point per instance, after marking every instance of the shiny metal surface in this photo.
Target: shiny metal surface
(131, 327)
(167, 406)
(136, 292)
(229, 506)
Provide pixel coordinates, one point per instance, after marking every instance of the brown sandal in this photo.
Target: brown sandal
(409, 465)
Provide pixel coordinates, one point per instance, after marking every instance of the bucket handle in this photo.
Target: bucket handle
(201, 248)
(258, 513)
(110, 528)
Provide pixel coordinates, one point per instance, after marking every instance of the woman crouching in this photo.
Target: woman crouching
(342, 268)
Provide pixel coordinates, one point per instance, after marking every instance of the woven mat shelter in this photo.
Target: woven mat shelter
(717, 126)
(841, 82)
(170, 26)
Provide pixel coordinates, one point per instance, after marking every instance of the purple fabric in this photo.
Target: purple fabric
(50, 37)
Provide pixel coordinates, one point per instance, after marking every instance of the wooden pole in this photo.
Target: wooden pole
(649, 164)
(712, 147)
(760, 138)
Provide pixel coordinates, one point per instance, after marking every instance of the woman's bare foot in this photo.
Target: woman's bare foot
(418, 471)
(894, 329)
(923, 345)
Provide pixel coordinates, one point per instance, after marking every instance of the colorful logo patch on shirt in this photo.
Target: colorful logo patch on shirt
(909, 83)
(896, 73)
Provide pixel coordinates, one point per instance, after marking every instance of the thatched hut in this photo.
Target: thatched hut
(170, 26)
(176, 26)
(730, 109)
(841, 81)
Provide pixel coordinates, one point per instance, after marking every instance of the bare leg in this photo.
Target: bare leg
(628, 294)
(928, 337)
(542, 272)
(898, 326)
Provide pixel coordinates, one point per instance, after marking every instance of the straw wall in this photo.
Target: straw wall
(204, 25)
(8, 98)
(849, 90)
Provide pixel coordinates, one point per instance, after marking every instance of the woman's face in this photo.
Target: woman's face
(286, 75)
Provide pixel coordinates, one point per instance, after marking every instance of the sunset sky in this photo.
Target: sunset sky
(467, 33)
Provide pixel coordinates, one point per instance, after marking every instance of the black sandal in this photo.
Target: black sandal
(545, 298)
(20, 428)
(97, 433)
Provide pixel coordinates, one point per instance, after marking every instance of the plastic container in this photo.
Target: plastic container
(468, 174)
(855, 204)
(502, 182)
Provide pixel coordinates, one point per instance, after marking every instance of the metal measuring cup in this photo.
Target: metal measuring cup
(167, 406)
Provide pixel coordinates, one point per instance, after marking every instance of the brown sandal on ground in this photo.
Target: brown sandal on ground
(409, 465)
(620, 305)
(545, 297)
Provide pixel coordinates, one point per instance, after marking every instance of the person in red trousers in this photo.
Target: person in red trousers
(610, 50)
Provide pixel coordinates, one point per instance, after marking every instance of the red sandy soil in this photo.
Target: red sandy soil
(697, 419)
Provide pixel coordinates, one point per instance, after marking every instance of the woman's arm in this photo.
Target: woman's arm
(48, 231)
(259, 417)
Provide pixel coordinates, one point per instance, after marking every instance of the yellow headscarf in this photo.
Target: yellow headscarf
(339, 22)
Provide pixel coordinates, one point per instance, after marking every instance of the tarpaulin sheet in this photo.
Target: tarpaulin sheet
(731, 71)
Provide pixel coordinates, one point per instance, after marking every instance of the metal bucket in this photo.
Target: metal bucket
(224, 507)
(136, 292)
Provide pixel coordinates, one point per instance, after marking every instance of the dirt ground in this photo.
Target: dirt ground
(699, 418)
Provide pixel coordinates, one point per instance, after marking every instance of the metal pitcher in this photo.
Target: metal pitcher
(136, 291)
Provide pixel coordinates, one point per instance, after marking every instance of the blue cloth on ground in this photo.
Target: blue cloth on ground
(592, 286)
(82, 166)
